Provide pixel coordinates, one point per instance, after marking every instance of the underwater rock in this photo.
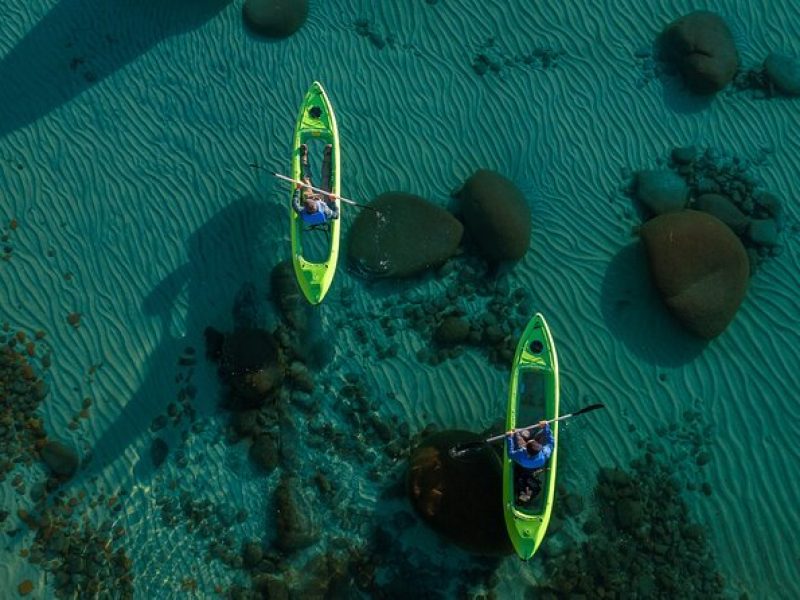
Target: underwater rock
(701, 46)
(297, 521)
(763, 232)
(288, 297)
(252, 364)
(450, 493)
(62, 460)
(770, 204)
(452, 330)
(725, 210)
(661, 191)
(158, 452)
(783, 72)
(408, 236)
(496, 215)
(700, 268)
(275, 18)
(264, 452)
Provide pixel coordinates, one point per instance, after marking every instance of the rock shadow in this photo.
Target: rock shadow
(81, 42)
(635, 313)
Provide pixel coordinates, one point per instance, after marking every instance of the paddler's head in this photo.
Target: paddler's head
(533, 447)
(311, 205)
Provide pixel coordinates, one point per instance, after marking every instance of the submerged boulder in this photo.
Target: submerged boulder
(700, 268)
(460, 497)
(275, 18)
(783, 72)
(701, 46)
(62, 460)
(661, 191)
(496, 215)
(403, 236)
(252, 364)
(298, 525)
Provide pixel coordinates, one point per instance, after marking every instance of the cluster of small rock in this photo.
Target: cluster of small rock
(640, 541)
(86, 561)
(5, 238)
(708, 227)
(283, 417)
(22, 390)
(723, 186)
(491, 58)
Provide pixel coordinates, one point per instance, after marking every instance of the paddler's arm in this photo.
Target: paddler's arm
(513, 451)
(549, 442)
(332, 208)
(298, 208)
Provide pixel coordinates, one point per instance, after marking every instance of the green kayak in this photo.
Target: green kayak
(316, 127)
(533, 396)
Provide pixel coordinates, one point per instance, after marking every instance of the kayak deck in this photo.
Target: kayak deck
(315, 126)
(533, 396)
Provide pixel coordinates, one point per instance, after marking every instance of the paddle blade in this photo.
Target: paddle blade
(464, 449)
(586, 409)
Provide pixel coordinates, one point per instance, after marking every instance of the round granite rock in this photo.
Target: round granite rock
(62, 460)
(496, 215)
(406, 236)
(784, 73)
(459, 497)
(701, 46)
(700, 268)
(275, 18)
(661, 191)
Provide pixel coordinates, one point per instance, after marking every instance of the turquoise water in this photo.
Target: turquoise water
(132, 221)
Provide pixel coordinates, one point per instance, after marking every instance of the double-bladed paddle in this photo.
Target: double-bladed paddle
(315, 189)
(461, 449)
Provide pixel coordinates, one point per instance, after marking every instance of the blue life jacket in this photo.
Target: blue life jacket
(317, 218)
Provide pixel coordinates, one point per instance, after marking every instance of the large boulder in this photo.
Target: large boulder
(275, 18)
(403, 236)
(253, 365)
(298, 525)
(459, 497)
(661, 191)
(700, 268)
(496, 215)
(62, 460)
(783, 72)
(701, 46)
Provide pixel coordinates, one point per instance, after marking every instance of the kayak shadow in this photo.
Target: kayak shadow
(223, 256)
(80, 43)
(635, 313)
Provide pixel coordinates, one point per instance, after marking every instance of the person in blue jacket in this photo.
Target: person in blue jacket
(314, 210)
(531, 454)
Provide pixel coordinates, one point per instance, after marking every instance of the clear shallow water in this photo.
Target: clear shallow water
(126, 138)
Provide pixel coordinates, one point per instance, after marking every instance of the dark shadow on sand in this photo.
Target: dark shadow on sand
(228, 243)
(680, 99)
(635, 313)
(81, 42)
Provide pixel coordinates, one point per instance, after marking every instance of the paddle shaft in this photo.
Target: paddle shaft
(316, 189)
(502, 435)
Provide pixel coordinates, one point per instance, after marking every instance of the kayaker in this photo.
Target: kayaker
(530, 456)
(530, 453)
(314, 208)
